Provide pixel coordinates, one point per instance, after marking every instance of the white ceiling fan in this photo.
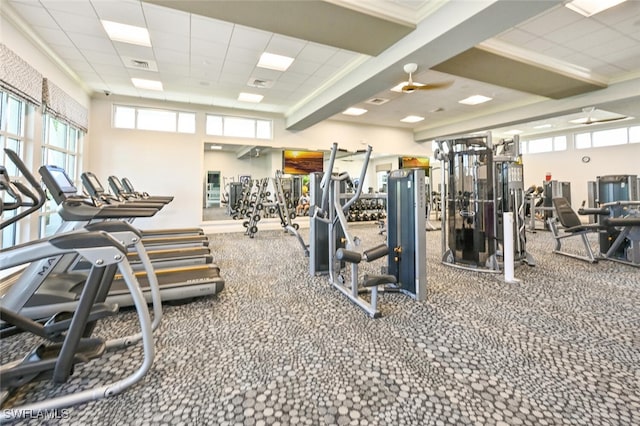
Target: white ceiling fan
(411, 87)
(606, 116)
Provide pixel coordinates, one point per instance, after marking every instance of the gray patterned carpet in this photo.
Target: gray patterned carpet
(279, 347)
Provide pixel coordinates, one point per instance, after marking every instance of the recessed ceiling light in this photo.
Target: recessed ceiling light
(274, 62)
(591, 7)
(513, 132)
(354, 111)
(543, 126)
(216, 147)
(412, 119)
(127, 33)
(475, 100)
(142, 83)
(250, 97)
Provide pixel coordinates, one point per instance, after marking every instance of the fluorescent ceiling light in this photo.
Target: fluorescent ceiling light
(142, 83)
(398, 88)
(591, 7)
(475, 100)
(127, 33)
(354, 111)
(274, 62)
(412, 119)
(513, 132)
(218, 147)
(250, 97)
(543, 126)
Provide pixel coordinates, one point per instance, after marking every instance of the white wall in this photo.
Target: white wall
(171, 163)
(567, 166)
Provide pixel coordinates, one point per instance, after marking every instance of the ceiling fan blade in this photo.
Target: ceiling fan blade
(604, 120)
(432, 86)
(429, 86)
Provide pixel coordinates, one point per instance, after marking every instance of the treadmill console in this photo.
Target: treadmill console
(92, 184)
(58, 182)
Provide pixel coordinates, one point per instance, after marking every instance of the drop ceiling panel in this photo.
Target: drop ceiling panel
(162, 40)
(552, 20)
(573, 31)
(165, 20)
(209, 49)
(266, 74)
(77, 8)
(316, 53)
(211, 29)
(35, 15)
(129, 12)
(134, 51)
(90, 42)
(243, 55)
(304, 67)
(286, 46)
(97, 59)
(306, 20)
(56, 37)
(249, 38)
(76, 24)
(171, 56)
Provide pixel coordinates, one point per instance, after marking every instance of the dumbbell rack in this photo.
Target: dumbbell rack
(369, 207)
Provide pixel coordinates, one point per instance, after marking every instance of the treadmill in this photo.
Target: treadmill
(61, 287)
(159, 237)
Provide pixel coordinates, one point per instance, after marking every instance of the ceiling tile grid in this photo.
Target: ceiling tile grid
(205, 60)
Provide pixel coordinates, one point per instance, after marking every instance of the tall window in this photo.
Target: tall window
(62, 147)
(12, 133)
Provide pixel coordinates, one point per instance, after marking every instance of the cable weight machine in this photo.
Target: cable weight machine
(481, 182)
(332, 245)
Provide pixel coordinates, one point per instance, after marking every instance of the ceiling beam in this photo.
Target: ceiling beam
(314, 20)
(615, 98)
(450, 30)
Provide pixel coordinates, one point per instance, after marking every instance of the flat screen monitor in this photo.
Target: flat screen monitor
(415, 163)
(302, 162)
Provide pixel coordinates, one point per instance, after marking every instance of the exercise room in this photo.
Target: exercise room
(320, 212)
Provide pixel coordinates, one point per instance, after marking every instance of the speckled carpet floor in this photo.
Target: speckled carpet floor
(280, 347)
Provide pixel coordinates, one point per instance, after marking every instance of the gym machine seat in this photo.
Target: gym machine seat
(573, 227)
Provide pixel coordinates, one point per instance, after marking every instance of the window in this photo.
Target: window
(61, 147)
(162, 120)
(239, 127)
(540, 145)
(610, 137)
(560, 143)
(12, 124)
(634, 134)
(583, 140)
(548, 144)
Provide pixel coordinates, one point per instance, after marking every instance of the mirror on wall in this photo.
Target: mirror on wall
(226, 167)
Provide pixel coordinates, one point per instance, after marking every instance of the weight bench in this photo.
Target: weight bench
(573, 227)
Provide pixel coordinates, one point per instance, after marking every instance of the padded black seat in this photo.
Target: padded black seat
(572, 225)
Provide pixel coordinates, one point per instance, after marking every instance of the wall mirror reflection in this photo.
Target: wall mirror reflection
(231, 172)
